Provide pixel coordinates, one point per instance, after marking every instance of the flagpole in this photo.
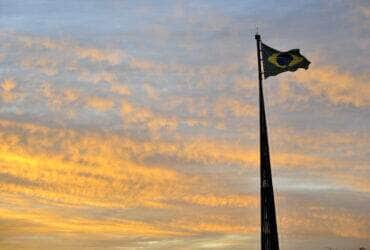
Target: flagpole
(269, 233)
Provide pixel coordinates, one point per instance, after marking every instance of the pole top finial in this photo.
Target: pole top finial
(257, 36)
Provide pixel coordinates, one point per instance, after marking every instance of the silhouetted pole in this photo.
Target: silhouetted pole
(269, 233)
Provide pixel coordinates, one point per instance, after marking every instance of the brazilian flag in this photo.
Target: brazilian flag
(276, 62)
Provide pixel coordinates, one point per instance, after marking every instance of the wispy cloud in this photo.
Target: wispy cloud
(8, 92)
(100, 104)
(333, 84)
(137, 126)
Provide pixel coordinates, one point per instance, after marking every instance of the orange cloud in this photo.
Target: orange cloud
(95, 55)
(100, 104)
(100, 77)
(146, 65)
(64, 166)
(46, 65)
(233, 107)
(92, 54)
(58, 98)
(324, 221)
(150, 91)
(8, 85)
(75, 170)
(227, 200)
(8, 93)
(85, 172)
(195, 122)
(336, 86)
(95, 183)
(143, 117)
(209, 223)
(47, 223)
(120, 89)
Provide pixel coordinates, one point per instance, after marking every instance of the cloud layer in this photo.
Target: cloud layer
(138, 128)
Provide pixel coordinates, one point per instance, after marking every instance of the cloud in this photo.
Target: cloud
(47, 65)
(95, 55)
(66, 183)
(142, 117)
(8, 92)
(219, 153)
(120, 90)
(175, 163)
(94, 170)
(362, 12)
(217, 226)
(62, 64)
(58, 99)
(99, 77)
(318, 221)
(353, 145)
(358, 183)
(100, 104)
(365, 10)
(151, 92)
(83, 171)
(8, 85)
(91, 168)
(92, 54)
(226, 201)
(2, 57)
(336, 86)
(227, 106)
(49, 223)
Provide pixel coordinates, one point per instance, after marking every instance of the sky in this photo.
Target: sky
(134, 124)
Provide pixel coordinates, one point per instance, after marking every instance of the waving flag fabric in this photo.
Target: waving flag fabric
(276, 62)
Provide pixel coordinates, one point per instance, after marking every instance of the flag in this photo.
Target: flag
(276, 62)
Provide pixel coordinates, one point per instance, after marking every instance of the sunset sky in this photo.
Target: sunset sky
(134, 124)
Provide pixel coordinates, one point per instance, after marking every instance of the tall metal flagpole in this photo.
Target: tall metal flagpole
(269, 233)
